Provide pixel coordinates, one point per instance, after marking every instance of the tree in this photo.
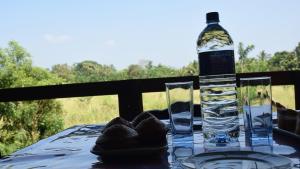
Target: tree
(284, 61)
(297, 53)
(91, 71)
(63, 71)
(23, 123)
(135, 71)
(261, 64)
(297, 50)
(191, 69)
(243, 54)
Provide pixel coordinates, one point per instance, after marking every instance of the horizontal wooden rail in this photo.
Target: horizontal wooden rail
(130, 91)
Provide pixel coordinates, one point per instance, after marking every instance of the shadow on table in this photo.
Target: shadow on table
(155, 162)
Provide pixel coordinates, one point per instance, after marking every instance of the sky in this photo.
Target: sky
(124, 32)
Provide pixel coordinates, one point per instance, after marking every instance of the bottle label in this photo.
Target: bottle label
(216, 62)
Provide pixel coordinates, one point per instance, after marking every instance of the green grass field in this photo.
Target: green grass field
(89, 110)
(100, 109)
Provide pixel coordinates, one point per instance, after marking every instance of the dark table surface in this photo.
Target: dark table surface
(71, 149)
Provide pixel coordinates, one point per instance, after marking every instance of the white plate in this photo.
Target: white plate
(237, 160)
(140, 151)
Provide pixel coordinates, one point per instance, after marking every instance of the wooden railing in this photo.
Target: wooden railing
(130, 91)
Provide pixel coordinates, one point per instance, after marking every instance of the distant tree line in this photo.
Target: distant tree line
(23, 123)
(91, 71)
(264, 62)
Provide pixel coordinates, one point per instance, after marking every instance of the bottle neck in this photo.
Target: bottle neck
(212, 23)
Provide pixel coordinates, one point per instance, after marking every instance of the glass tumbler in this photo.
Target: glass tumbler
(256, 105)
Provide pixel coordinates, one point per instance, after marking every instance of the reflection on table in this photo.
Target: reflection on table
(71, 149)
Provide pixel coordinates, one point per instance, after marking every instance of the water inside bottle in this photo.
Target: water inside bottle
(219, 111)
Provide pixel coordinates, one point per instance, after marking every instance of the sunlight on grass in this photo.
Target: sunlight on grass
(101, 109)
(89, 110)
(158, 100)
(284, 95)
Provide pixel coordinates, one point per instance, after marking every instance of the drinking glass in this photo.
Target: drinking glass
(256, 102)
(180, 107)
(181, 112)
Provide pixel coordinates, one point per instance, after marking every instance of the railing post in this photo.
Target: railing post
(130, 100)
(297, 91)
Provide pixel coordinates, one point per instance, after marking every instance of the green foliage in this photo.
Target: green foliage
(297, 51)
(284, 61)
(191, 69)
(91, 71)
(161, 71)
(135, 71)
(280, 61)
(244, 61)
(64, 71)
(243, 52)
(23, 123)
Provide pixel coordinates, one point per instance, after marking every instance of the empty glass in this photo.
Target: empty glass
(181, 112)
(256, 100)
(180, 107)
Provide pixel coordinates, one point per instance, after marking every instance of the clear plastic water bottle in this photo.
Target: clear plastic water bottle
(217, 86)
